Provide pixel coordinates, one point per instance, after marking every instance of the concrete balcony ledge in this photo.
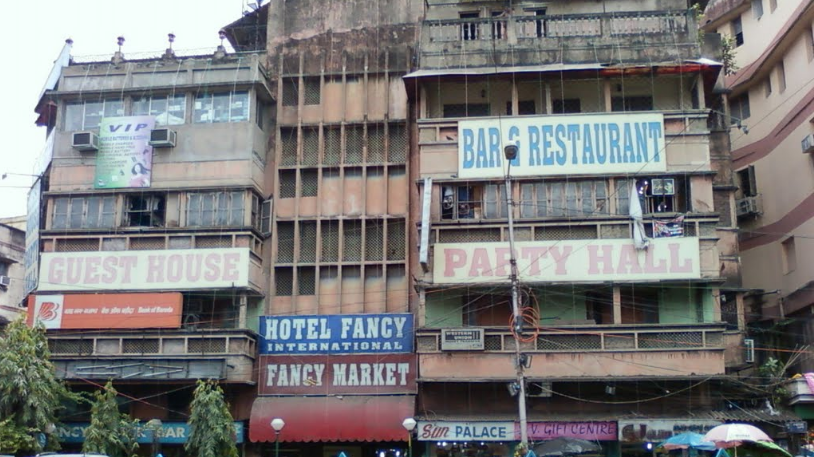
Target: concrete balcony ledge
(226, 354)
(799, 392)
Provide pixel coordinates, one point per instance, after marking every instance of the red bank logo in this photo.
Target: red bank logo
(48, 311)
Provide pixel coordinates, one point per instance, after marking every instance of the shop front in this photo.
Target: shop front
(638, 437)
(465, 439)
(169, 441)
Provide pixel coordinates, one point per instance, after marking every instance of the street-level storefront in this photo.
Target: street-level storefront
(638, 437)
(336, 385)
(170, 440)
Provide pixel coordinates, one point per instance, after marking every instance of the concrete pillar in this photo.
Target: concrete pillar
(617, 305)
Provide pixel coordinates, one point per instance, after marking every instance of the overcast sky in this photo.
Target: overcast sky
(34, 33)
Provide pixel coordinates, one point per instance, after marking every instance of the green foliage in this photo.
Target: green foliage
(728, 54)
(14, 437)
(110, 432)
(30, 392)
(773, 372)
(212, 429)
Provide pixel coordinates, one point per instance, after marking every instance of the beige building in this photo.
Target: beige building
(12, 268)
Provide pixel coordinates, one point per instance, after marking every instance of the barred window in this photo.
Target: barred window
(212, 209)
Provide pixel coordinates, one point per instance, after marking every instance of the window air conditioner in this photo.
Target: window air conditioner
(4, 281)
(85, 141)
(749, 356)
(162, 138)
(807, 145)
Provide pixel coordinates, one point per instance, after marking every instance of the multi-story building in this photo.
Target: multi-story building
(12, 268)
(769, 98)
(152, 234)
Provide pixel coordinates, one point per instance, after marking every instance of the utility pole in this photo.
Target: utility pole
(510, 152)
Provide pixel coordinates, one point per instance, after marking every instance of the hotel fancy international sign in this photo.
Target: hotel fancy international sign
(172, 269)
(568, 260)
(562, 145)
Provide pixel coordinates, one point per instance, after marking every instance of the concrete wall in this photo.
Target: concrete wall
(12, 250)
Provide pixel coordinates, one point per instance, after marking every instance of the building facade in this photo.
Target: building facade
(12, 267)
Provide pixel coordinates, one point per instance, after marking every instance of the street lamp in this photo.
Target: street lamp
(277, 424)
(409, 425)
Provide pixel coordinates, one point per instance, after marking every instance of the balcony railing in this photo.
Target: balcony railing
(164, 344)
(596, 339)
(561, 26)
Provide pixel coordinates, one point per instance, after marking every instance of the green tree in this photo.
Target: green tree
(212, 429)
(30, 392)
(110, 432)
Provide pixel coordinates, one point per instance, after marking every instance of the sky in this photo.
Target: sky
(35, 32)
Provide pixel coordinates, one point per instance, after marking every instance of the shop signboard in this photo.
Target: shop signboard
(171, 269)
(563, 145)
(94, 311)
(465, 431)
(336, 334)
(171, 433)
(367, 374)
(568, 261)
(644, 430)
(32, 236)
(125, 157)
(592, 431)
(462, 339)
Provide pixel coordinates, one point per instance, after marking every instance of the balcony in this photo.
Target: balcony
(172, 355)
(540, 40)
(598, 351)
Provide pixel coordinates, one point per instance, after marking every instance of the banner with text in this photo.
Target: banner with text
(171, 433)
(563, 145)
(92, 311)
(568, 260)
(592, 431)
(368, 374)
(639, 431)
(173, 269)
(336, 334)
(465, 431)
(125, 157)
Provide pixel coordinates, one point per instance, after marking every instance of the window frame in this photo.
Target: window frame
(221, 210)
(216, 105)
(81, 207)
(168, 99)
(571, 195)
(154, 212)
(84, 106)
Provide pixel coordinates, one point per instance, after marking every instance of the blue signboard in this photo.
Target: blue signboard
(336, 334)
(171, 433)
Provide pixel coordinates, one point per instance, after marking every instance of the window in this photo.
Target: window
(467, 110)
(737, 31)
(469, 30)
(84, 212)
(635, 103)
(668, 194)
(222, 107)
(4, 268)
(757, 8)
(88, 115)
(739, 107)
(215, 209)
(767, 86)
(810, 43)
(212, 312)
(498, 25)
(781, 76)
(144, 210)
(168, 110)
(290, 92)
(789, 255)
(748, 182)
(524, 107)
(565, 106)
(312, 89)
(461, 202)
(541, 23)
(564, 198)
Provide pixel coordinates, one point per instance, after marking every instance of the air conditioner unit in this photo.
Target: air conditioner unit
(748, 206)
(4, 281)
(162, 138)
(85, 141)
(749, 344)
(807, 145)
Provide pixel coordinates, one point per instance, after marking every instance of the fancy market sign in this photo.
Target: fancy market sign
(336, 334)
(334, 375)
(567, 260)
(465, 431)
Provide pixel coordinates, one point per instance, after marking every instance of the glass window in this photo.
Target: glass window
(88, 115)
(737, 31)
(222, 107)
(168, 110)
(84, 212)
(215, 209)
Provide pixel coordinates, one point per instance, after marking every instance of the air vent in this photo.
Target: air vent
(85, 141)
(162, 138)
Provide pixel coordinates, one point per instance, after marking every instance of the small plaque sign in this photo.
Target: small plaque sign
(462, 339)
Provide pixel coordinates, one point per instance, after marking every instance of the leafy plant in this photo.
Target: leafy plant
(728, 54)
(212, 428)
(30, 392)
(110, 432)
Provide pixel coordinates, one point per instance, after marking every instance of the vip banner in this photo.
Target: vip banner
(568, 260)
(338, 374)
(562, 145)
(94, 311)
(336, 334)
(125, 157)
(172, 269)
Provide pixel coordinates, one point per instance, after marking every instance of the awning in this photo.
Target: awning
(348, 418)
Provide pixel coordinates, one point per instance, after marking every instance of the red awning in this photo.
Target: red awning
(350, 418)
